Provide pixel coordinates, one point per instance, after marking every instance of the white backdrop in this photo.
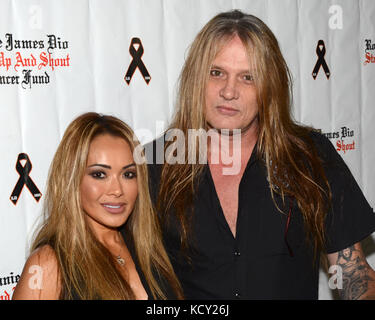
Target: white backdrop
(60, 58)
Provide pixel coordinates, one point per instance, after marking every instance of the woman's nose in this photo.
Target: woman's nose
(115, 187)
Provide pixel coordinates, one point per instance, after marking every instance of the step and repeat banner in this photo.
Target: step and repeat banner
(60, 58)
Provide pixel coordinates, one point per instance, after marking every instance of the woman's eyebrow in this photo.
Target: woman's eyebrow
(129, 165)
(109, 167)
(99, 165)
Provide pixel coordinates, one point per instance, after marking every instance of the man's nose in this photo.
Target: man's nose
(229, 91)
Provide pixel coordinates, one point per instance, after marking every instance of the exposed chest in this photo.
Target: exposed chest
(227, 187)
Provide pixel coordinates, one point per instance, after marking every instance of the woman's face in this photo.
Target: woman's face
(109, 186)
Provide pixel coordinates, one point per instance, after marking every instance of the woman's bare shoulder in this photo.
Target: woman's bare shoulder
(40, 278)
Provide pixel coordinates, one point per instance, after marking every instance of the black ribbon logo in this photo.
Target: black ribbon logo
(321, 51)
(136, 62)
(24, 179)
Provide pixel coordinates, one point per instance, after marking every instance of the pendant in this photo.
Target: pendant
(120, 261)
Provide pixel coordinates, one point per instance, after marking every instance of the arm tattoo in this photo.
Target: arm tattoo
(355, 273)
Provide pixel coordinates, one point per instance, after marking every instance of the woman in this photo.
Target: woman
(94, 191)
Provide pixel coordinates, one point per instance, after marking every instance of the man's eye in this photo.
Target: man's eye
(248, 77)
(97, 174)
(215, 73)
(130, 174)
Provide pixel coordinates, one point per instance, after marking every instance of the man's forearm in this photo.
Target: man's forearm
(358, 276)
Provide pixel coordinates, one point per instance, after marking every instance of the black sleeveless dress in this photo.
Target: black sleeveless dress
(162, 282)
(164, 285)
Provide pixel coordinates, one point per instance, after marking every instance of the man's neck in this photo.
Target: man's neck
(233, 151)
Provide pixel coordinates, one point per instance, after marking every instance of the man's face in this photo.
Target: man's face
(230, 92)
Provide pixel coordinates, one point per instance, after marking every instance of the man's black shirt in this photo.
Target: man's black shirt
(266, 259)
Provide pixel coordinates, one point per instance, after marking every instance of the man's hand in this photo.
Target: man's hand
(358, 277)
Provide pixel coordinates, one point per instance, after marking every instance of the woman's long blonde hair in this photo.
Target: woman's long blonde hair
(293, 166)
(86, 268)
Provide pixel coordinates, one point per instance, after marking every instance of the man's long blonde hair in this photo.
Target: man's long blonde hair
(293, 166)
(86, 268)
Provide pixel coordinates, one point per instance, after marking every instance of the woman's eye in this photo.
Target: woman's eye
(97, 175)
(130, 174)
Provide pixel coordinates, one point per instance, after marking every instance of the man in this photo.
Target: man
(256, 233)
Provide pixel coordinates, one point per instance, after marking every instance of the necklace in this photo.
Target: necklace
(120, 260)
